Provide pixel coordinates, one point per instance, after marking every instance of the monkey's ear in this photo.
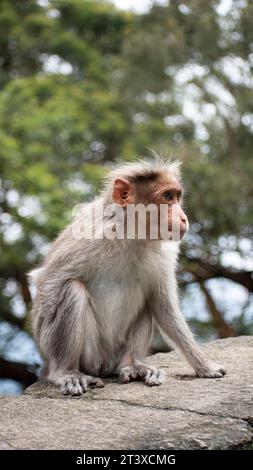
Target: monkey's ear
(122, 192)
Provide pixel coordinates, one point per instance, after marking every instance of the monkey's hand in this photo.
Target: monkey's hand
(77, 383)
(211, 371)
(150, 375)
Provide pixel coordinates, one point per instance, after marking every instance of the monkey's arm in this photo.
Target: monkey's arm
(168, 315)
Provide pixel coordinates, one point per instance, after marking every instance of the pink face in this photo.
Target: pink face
(170, 192)
(164, 191)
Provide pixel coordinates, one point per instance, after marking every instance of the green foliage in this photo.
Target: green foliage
(83, 84)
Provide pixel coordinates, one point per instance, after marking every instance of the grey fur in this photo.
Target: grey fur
(97, 301)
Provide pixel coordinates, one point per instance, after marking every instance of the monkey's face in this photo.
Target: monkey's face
(164, 217)
(170, 194)
(165, 194)
(177, 218)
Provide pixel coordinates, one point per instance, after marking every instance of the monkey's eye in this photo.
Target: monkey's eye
(168, 196)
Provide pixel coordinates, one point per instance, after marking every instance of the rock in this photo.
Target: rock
(184, 413)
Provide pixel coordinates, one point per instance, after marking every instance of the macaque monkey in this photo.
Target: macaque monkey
(98, 298)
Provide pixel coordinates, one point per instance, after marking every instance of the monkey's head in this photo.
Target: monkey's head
(151, 195)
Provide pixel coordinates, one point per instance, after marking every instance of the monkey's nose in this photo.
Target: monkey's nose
(183, 219)
(184, 226)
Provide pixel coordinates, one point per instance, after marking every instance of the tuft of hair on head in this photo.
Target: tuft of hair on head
(143, 170)
(35, 274)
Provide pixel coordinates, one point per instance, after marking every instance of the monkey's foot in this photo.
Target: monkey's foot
(77, 383)
(212, 371)
(150, 375)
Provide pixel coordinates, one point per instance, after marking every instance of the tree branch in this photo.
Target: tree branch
(203, 270)
(223, 329)
(22, 280)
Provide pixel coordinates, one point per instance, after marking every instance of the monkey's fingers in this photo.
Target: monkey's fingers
(142, 372)
(73, 386)
(94, 382)
(215, 371)
(124, 377)
(154, 377)
(127, 374)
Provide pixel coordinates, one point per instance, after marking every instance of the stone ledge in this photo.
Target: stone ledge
(184, 413)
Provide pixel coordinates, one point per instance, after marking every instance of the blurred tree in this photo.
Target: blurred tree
(192, 94)
(83, 84)
(58, 117)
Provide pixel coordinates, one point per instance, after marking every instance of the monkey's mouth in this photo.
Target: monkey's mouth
(177, 234)
(182, 234)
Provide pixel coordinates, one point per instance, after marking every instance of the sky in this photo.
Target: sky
(138, 6)
(141, 6)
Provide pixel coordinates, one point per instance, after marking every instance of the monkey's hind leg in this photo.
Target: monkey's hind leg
(62, 339)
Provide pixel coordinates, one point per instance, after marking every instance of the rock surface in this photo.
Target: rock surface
(184, 413)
